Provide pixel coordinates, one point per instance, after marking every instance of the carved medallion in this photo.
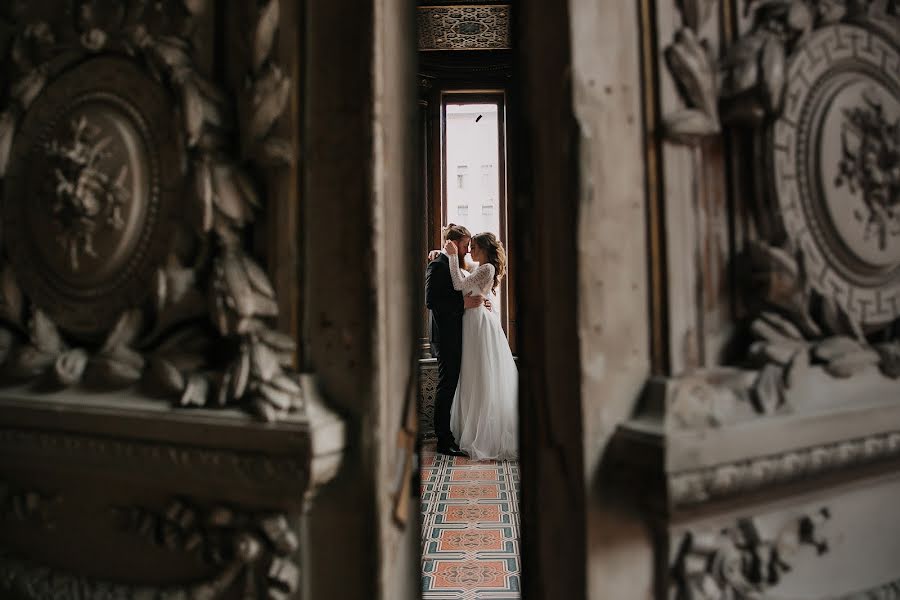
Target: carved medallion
(92, 186)
(835, 160)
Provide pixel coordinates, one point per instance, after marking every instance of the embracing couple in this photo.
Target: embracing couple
(475, 407)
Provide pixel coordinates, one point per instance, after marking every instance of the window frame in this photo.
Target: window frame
(439, 195)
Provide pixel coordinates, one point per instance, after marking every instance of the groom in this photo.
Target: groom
(447, 306)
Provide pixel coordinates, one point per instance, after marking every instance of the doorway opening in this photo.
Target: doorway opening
(469, 507)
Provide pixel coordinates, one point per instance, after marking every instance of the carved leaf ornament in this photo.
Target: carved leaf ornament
(743, 561)
(253, 552)
(108, 170)
(694, 70)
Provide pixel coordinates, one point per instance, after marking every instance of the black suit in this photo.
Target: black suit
(447, 307)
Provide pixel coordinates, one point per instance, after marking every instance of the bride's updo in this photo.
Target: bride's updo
(496, 255)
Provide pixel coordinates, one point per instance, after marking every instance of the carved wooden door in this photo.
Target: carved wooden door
(155, 438)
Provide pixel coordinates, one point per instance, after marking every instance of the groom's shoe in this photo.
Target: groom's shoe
(451, 450)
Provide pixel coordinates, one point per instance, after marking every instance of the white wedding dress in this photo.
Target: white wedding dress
(484, 413)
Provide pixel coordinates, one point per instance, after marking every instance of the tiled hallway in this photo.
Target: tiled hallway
(470, 528)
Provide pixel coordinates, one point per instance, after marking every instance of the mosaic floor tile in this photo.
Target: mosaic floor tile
(470, 528)
(460, 474)
(478, 513)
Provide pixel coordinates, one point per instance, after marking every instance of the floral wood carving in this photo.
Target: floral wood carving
(29, 581)
(693, 67)
(755, 70)
(28, 505)
(870, 163)
(254, 551)
(696, 13)
(87, 198)
(263, 545)
(797, 326)
(111, 206)
(742, 562)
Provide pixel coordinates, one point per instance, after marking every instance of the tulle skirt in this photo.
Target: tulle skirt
(484, 414)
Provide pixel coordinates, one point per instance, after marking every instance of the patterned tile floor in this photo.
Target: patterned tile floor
(470, 528)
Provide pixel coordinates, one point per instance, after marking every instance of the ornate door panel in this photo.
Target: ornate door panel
(155, 437)
(771, 465)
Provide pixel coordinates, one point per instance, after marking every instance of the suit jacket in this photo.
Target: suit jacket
(446, 306)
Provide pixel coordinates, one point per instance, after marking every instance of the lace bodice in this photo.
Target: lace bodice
(477, 283)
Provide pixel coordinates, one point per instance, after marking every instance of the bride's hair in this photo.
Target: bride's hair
(496, 255)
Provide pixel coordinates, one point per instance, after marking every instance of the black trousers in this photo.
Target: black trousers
(449, 360)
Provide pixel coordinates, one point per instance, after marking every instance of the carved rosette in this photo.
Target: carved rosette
(835, 156)
(124, 207)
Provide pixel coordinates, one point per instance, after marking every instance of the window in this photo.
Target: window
(461, 176)
(473, 144)
(486, 176)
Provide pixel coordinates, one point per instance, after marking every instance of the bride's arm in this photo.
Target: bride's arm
(475, 282)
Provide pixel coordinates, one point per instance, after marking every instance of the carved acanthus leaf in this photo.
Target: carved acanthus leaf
(697, 12)
(275, 152)
(32, 48)
(689, 126)
(744, 560)
(12, 303)
(796, 325)
(263, 545)
(267, 94)
(29, 52)
(7, 132)
(195, 7)
(264, 34)
(693, 68)
(28, 505)
(29, 581)
(268, 98)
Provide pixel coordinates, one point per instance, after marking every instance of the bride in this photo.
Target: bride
(484, 413)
